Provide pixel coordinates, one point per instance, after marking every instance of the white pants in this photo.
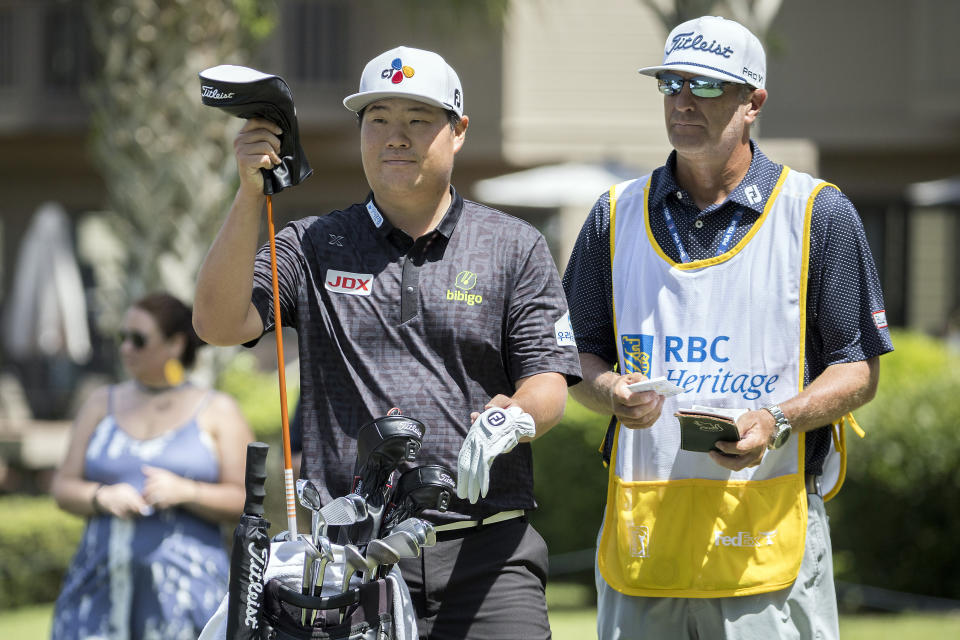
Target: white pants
(806, 610)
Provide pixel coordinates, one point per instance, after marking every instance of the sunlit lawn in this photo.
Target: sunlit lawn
(571, 620)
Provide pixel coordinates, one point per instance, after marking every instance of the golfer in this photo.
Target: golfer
(418, 299)
(752, 288)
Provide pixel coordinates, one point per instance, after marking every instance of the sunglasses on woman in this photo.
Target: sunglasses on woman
(670, 84)
(137, 339)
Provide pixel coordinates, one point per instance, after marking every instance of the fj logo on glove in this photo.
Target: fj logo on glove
(496, 418)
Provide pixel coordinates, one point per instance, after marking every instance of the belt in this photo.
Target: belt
(813, 483)
(472, 524)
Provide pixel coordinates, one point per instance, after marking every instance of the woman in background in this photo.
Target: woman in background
(156, 464)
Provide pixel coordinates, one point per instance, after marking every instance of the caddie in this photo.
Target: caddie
(752, 288)
(418, 299)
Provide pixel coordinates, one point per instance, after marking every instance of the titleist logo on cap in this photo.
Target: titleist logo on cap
(689, 41)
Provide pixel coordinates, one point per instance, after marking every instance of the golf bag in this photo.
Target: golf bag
(369, 613)
(251, 552)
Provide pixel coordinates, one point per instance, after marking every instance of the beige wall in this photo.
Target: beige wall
(571, 87)
(932, 288)
(572, 91)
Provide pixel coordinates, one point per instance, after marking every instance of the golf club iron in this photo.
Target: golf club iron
(402, 544)
(310, 555)
(320, 569)
(353, 561)
(424, 531)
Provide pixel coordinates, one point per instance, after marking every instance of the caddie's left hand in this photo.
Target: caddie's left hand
(756, 430)
(495, 431)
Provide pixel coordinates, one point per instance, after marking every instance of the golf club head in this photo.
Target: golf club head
(424, 487)
(381, 446)
(424, 532)
(353, 561)
(403, 543)
(308, 495)
(381, 554)
(325, 557)
(310, 555)
(344, 510)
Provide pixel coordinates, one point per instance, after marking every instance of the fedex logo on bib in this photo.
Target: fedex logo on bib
(699, 364)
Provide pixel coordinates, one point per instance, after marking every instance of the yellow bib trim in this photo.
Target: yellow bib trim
(723, 257)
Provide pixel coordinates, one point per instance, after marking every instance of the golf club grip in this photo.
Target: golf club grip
(254, 478)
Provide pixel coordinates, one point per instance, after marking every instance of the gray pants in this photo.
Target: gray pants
(481, 584)
(807, 610)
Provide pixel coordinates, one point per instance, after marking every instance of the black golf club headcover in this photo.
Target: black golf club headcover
(248, 93)
(382, 445)
(425, 487)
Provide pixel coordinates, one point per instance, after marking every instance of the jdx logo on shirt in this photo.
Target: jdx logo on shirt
(638, 352)
(355, 284)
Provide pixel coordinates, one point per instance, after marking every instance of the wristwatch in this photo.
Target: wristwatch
(781, 429)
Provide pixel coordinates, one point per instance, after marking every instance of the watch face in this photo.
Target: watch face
(783, 434)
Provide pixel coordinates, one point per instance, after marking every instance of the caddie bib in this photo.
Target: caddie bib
(730, 331)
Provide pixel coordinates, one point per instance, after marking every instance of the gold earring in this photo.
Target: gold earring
(173, 372)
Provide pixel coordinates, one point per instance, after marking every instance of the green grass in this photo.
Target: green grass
(572, 620)
(27, 622)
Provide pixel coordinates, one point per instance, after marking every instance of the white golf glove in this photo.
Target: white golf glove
(496, 431)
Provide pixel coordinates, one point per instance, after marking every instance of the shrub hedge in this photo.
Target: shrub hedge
(894, 523)
(37, 541)
(258, 394)
(570, 481)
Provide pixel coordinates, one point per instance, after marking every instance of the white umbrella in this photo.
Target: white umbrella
(557, 185)
(46, 315)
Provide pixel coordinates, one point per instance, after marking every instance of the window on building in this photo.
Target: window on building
(8, 76)
(318, 40)
(68, 53)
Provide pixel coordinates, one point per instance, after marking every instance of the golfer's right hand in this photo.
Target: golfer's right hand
(257, 146)
(635, 409)
(121, 500)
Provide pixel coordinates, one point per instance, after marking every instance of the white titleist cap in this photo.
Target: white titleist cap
(405, 72)
(715, 47)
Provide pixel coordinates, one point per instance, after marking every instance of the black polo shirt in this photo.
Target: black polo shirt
(434, 327)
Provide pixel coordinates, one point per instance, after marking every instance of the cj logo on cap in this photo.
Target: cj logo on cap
(397, 71)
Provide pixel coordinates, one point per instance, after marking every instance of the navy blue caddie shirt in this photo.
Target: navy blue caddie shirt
(845, 322)
(434, 327)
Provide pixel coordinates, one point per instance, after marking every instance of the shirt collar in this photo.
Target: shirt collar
(762, 175)
(447, 224)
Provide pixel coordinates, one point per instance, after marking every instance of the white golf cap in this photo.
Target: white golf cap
(715, 47)
(405, 72)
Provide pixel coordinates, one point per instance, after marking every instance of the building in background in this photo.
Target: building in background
(864, 93)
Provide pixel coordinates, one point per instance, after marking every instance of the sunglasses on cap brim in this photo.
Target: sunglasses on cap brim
(670, 84)
(137, 339)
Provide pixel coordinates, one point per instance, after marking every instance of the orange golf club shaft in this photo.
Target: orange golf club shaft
(284, 421)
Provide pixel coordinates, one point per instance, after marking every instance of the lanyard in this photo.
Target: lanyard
(724, 242)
